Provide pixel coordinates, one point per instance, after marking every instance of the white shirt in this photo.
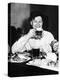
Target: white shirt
(43, 43)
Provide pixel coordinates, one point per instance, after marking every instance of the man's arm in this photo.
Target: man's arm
(19, 46)
(49, 37)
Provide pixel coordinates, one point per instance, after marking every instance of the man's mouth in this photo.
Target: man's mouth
(37, 26)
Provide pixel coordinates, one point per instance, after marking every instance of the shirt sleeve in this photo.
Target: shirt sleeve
(27, 46)
(19, 46)
(49, 37)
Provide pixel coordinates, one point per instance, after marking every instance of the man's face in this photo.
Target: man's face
(37, 22)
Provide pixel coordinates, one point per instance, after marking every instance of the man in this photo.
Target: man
(36, 38)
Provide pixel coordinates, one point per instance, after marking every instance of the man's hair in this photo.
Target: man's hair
(35, 14)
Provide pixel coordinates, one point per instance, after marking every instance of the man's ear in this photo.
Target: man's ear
(31, 22)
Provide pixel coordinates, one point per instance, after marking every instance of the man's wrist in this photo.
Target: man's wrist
(28, 36)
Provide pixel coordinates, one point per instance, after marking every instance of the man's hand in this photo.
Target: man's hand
(55, 46)
(31, 33)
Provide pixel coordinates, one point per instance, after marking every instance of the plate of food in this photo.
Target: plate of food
(20, 58)
(43, 64)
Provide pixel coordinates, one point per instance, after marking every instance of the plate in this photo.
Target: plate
(20, 58)
(42, 64)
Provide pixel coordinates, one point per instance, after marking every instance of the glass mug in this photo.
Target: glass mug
(35, 53)
(38, 34)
